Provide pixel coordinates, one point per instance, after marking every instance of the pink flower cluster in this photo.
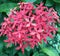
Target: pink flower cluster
(29, 25)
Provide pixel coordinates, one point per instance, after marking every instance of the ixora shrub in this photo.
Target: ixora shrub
(29, 25)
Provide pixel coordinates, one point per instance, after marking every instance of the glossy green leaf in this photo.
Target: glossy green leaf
(5, 7)
(49, 3)
(57, 1)
(50, 51)
(29, 1)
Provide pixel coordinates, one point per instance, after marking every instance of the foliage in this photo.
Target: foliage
(52, 48)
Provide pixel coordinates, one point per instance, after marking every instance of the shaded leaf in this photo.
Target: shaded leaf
(57, 7)
(57, 1)
(1, 46)
(38, 2)
(49, 3)
(2, 54)
(21, 54)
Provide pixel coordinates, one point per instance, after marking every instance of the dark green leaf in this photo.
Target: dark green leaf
(2, 15)
(21, 54)
(57, 1)
(11, 51)
(49, 3)
(38, 2)
(3, 54)
(1, 18)
(57, 7)
(1, 46)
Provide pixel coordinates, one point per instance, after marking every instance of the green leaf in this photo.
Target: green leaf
(43, 54)
(21, 54)
(38, 2)
(1, 18)
(28, 48)
(43, 45)
(11, 51)
(58, 30)
(49, 3)
(3, 54)
(29, 1)
(50, 51)
(5, 7)
(3, 1)
(1, 46)
(57, 1)
(57, 47)
(57, 7)
(11, 45)
(36, 54)
(2, 15)
(58, 37)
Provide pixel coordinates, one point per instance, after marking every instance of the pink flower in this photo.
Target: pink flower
(30, 22)
(37, 32)
(26, 28)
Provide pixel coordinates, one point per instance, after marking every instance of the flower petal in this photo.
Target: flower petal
(38, 36)
(27, 20)
(33, 33)
(28, 25)
(33, 24)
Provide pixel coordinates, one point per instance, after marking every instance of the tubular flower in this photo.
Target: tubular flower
(29, 25)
